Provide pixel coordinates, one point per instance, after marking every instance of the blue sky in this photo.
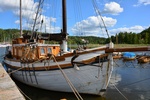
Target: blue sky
(118, 15)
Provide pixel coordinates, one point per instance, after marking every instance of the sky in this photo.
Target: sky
(82, 18)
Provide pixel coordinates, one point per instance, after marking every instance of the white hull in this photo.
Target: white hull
(88, 79)
(5, 45)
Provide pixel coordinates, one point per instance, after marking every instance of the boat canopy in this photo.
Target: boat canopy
(129, 54)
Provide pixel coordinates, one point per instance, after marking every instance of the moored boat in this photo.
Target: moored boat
(117, 55)
(144, 59)
(5, 44)
(52, 67)
(128, 56)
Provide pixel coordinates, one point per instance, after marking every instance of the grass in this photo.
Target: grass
(73, 46)
(130, 45)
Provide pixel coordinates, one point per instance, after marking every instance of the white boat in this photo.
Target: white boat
(5, 44)
(52, 67)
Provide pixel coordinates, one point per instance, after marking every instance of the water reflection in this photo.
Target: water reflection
(132, 79)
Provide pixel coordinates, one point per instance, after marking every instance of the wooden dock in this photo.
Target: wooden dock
(8, 89)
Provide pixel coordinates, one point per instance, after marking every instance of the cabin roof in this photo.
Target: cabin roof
(37, 44)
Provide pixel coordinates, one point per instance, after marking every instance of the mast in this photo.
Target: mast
(64, 18)
(63, 43)
(20, 17)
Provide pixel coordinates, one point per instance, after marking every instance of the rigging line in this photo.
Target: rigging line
(119, 91)
(82, 31)
(68, 81)
(52, 12)
(30, 13)
(136, 82)
(78, 14)
(98, 11)
(23, 93)
(97, 16)
(15, 70)
(40, 2)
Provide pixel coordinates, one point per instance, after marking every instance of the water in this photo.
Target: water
(2, 52)
(129, 81)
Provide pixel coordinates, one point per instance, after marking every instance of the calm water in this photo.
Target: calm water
(129, 80)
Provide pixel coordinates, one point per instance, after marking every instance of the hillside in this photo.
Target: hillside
(120, 38)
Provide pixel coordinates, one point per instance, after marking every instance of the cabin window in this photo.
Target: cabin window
(49, 50)
(42, 51)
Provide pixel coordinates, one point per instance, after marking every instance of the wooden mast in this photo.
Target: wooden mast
(64, 18)
(63, 43)
(20, 17)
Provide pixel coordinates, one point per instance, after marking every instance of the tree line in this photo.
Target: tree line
(6, 35)
(132, 38)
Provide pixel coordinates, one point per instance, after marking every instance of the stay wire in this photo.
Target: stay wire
(98, 12)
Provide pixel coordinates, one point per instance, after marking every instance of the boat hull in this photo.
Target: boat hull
(87, 79)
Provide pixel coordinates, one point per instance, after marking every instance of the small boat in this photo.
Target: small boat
(53, 67)
(117, 55)
(5, 44)
(144, 59)
(128, 56)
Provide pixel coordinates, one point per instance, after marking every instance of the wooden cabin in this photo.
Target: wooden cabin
(22, 50)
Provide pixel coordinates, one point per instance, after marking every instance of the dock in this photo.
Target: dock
(8, 88)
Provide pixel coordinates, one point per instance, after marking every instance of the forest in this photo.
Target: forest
(6, 35)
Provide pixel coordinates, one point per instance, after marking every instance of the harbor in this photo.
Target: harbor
(130, 78)
(41, 64)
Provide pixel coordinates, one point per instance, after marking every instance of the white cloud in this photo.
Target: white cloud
(112, 8)
(92, 26)
(13, 5)
(29, 8)
(17, 21)
(135, 29)
(142, 2)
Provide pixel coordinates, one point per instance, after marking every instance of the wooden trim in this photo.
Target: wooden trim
(54, 67)
(40, 68)
(110, 50)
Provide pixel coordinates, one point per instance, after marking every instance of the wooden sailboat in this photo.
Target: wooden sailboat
(144, 59)
(52, 67)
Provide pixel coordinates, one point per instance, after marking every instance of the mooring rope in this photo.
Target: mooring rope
(69, 82)
(15, 70)
(24, 93)
(119, 91)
